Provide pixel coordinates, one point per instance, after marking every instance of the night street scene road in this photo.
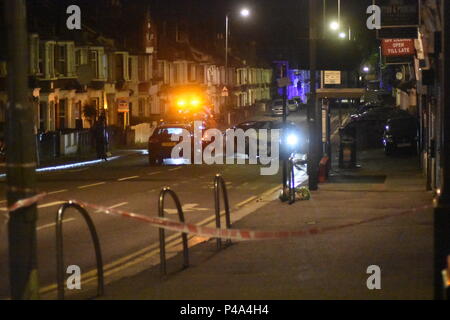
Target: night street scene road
(224, 150)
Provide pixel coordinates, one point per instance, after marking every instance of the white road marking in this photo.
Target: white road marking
(114, 206)
(59, 191)
(153, 173)
(46, 226)
(144, 254)
(174, 169)
(128, 178)
(243, 203)
(51, 204)
(92, 185)
(42, 206)
(188, 207)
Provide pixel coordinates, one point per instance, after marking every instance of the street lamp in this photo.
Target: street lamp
(366, 69)
(342, 35)
(244, 13)
(334, 26)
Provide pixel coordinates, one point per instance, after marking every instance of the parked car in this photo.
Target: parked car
(277, 108)
(369, 126)
(160, 144)
(292, 105)
(401, 133)
(292, 139)
(365, 107)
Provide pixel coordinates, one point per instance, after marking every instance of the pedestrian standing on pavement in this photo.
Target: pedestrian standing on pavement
(101, 138)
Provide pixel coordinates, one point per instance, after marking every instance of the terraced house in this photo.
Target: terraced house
(78, 75)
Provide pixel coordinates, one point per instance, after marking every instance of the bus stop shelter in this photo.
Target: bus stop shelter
(326, 94)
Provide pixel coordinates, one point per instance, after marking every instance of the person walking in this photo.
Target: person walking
(101, 138)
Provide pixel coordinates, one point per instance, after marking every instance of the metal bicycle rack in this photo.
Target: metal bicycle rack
(219, 183)
(60, 253)
(162, 238)
(291, 181)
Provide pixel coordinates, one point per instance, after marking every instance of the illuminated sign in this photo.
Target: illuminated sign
(123, 106)
(332, 77)
(398, 47)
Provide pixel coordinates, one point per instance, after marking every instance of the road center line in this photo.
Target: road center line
(174, 169)
(59, 191)
(46, 226)
(128, 178)
(153, 173)
(92, 185)
(42, 206)
(114, 206)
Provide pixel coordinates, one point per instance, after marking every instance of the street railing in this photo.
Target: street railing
(60, 248)
(219, 184)
(291, 180)
(219, 187)
(162, 238)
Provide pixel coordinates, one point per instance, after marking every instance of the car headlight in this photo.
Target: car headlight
(292, 140)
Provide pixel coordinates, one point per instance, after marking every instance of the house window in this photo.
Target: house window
(96, 103)
(176, 76)
(160, 70)
(34, 54)
(130, 68)
(93, 59)
(191, 72)
(43, 116)
(105, 66)
(141, 108)
(119, 67)
(78, 115)
(60, 60)
(141, 68)
(61, 114)
(78, 58)
(2, 111)
(3, 71)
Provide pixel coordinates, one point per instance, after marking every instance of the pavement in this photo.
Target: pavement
(329, 265)
(127, 183)
(324, 266)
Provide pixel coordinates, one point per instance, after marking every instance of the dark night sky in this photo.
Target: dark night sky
(278, 26)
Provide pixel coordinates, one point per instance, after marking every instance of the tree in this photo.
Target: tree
(90, 113)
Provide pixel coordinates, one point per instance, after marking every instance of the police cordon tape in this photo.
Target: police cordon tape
(210, 232)
(23, 203)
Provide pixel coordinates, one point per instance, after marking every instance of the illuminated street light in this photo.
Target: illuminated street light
(366, 69)
(334, 26)
(342, 35)
(245, 12)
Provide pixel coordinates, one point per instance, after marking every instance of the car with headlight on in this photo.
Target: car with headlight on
(277, 108)
(160, 143)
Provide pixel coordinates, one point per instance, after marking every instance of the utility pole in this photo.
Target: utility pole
(315, 135)
(285, 161)
(20, 158)
(442, 202)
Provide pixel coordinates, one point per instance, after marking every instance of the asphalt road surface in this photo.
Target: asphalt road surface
(129, 184)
